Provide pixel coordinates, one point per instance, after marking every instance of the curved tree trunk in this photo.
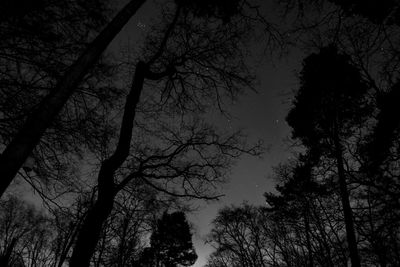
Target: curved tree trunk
(29, 136)
(97, 215)
(91, 230)
(344, 195)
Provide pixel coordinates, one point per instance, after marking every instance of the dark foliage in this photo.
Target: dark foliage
(299, 188)
(379, 142)
(341, 204)
(223, 9)
(331, 92)
(171, 243)
(377, 11)
(327, 107)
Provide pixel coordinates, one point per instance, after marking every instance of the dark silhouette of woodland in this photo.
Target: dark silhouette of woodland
(116, 145)
(337, 200)
(142, 134)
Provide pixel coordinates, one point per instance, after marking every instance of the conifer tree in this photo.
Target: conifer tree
(171, 243)
(326, 108)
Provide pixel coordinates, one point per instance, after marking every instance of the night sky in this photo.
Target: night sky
(335, 205)
(262, 117)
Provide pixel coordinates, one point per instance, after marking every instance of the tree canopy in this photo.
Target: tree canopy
(170, 243)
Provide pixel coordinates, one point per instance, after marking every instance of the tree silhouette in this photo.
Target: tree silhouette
(367, 31)
(222, 9)
(377, 11)
(21, 146)
(36, 238)
(293, 201)
(170, 243)
(327, 106)
(25, 233)
(306, 204)
(194, 62)
(27, 138)
(239, 237)
(50, 36)
(377, 147)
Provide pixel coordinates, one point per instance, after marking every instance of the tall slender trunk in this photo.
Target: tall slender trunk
(18, 150)
(344, 195)
(91, 229)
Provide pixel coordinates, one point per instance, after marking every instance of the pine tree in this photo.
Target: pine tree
(171, 243)
(326, 108)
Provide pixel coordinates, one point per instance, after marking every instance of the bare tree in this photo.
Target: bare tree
(192, 61)
(25, 140)
(21, 146)
(25, 234)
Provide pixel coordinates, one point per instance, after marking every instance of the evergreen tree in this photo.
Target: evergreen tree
(171, 243)
(326, 108)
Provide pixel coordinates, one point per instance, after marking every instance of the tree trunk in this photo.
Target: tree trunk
(91, 229)
(344, 195)
(18, 150)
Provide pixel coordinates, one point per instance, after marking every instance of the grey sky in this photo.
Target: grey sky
(262, 116)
